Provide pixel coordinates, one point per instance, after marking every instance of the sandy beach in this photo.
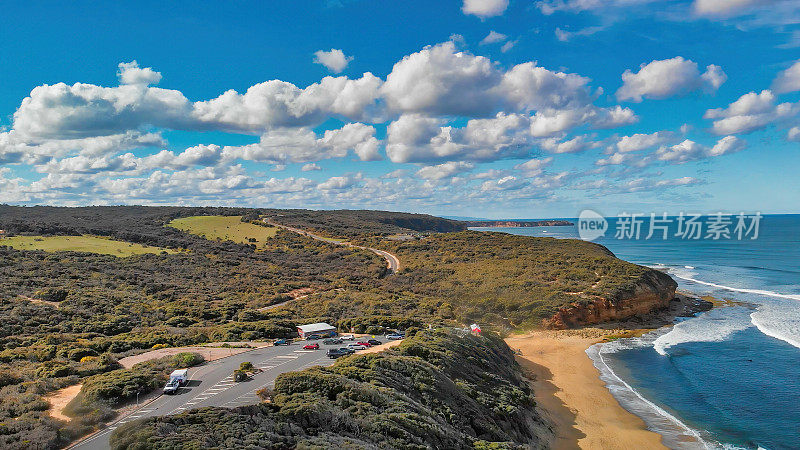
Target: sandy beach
(571, 395)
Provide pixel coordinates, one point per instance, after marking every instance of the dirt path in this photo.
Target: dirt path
(392, 261)
(380, 348)
(59, 399)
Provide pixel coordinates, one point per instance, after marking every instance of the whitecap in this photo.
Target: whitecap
(676, 434)
(713, 326)
(780, 320)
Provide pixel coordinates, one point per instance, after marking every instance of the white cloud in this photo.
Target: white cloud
(751, 112)
(338, 183)
(444, 170)
(689, 150)
(334, 60)
(793, 134)
(493, 37)
(484, 8)
(636, 142)
(508, 46)
(283, 145)
(566, 35)
(788, 80)
(280, 104)
(310, 167)
(131, 73)
(534, 167)
(667, 78)
(721, 8)
(439, 80)
(574, 145)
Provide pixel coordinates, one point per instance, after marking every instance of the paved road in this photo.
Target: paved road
(392, 261)
(212, 385)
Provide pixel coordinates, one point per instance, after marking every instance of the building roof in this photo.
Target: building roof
(310, 328)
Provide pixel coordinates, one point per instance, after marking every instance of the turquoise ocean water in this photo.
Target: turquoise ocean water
(729, 378)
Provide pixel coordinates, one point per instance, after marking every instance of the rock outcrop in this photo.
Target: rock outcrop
(653, 291)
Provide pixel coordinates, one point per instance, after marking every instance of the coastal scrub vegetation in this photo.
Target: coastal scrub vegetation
(437, 389)
(68, 316)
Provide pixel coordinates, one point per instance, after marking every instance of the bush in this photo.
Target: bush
(246, 366)
(239, 375)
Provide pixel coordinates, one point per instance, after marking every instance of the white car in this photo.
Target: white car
(356, 347)
(347, 337)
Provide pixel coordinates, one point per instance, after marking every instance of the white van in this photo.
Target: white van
(180, 375)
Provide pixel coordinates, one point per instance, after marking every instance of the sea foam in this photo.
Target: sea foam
(713, 326)
(675, 433)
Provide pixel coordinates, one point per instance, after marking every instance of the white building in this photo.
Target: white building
(320, 329)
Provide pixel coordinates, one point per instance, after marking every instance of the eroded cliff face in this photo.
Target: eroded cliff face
(652, 292)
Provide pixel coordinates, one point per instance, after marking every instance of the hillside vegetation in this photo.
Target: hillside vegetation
(348, 223)
(435, 390)
(225, 228)
(68, 316)
(87, 244)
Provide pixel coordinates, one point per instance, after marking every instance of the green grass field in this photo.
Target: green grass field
(85, 243)
(228, 228)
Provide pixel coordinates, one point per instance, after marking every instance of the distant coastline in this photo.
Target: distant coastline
(517, 223)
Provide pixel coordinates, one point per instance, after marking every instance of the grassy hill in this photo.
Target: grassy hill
(88, 244)
(225, 228)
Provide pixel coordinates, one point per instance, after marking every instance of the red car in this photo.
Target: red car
(314, 346)
(365, 344)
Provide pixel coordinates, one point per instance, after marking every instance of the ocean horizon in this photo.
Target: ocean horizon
(727, 378)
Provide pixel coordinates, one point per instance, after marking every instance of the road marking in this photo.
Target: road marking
(288, 356)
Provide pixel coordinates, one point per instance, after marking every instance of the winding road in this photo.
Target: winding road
(392, 261)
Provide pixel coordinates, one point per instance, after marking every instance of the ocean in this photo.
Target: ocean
(728, 378)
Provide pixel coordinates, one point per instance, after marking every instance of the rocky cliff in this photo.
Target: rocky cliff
(653, 291)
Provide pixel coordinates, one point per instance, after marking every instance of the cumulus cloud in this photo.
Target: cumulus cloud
(444, 170)
(277, 103)
(493, 37)
(440, 80)
(574, 145)
(667, 78)
(751, 112)
(131, 73)
(637, 142)
(310, 167)
(283, 145)
(334, 59)
(484, 8)
(788, 80)
(689, 150)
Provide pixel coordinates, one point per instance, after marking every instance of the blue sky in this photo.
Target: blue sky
(486, 108)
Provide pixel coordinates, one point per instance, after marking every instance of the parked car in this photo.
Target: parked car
(355, 347)
(347, 350)
(332, 341)
(364, 344)
(348, 337)
(313, 337)
(313, 346)
(393, 337)
(172, 387)
(374, 342)
(281, 342)
(337, 353)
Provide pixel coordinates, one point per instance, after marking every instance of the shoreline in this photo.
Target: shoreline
(568, 387)
(571, 396)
